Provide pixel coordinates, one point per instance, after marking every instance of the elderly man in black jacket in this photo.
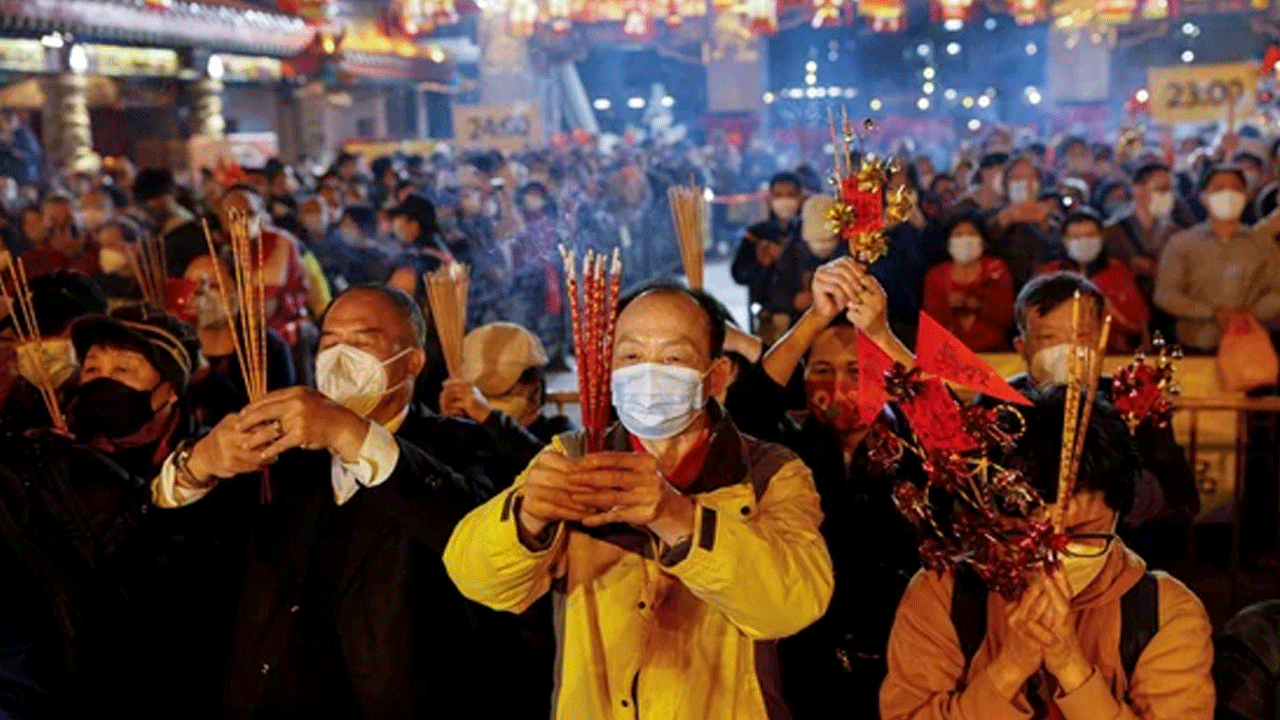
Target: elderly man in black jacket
(344, 591)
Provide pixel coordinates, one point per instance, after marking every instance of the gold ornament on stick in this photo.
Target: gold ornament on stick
(1084, 367)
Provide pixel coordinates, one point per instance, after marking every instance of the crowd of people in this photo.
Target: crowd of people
(372, 538)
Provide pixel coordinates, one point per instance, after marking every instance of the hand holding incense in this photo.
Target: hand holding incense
(27, 328)
(593, 300)
(249, 325)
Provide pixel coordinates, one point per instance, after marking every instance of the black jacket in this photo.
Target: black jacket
(401, 630)
(839, 660)
(490, 454)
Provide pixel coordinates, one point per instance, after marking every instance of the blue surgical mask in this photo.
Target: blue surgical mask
(656, 401)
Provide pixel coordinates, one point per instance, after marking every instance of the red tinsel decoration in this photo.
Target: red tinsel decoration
(1141, 391)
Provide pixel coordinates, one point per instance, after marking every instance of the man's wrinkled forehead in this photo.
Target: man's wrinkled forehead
(665, 317)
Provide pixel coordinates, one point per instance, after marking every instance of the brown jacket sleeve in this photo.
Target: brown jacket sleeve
(1172, 680)
(926, 664)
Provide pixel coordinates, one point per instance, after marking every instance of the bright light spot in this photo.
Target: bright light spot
(769, 98)
(811, 67)
(810, 79)
(928, 73)
(668, 101)
(327, 44)
(52, 40)
(708, 194)
(953, 25)
(923, 103)
(77, 60)
(950, 93)
(436, 54)
(953, 48)
(1188, 56)
(1033, 96)
(819, 92)
(812, 92)
(974, 124)
(795, 93)
(833, 56)
(851, 93)
(635, 103)
(214, 67)
(875, 104)
(984, 101)
(922, 49)
(1032, 49)
(1189, 28)
(927, 88)
(968, 101)
(989, 24)
(601, 104)
(1142, 95)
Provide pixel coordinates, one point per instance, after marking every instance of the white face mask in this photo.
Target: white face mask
(1084, 250)
(112, 261)
(1051, 365)
(1020, 191)
(57, 355)
(355, 379)
(964, 249)
(656, 401)
(785, 208)
(1226, 205)
(1161, 204)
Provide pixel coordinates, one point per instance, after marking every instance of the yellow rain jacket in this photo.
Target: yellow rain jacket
(689, 634)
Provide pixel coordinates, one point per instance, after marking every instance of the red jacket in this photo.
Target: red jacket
(984, 318)
(1130, 314)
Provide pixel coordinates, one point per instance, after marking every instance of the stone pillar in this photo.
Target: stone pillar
(206, 108)
(506, 74)
(69, 138)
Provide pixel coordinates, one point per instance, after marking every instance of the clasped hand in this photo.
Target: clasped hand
(1041, 632)
(602, 488)
(255, 437)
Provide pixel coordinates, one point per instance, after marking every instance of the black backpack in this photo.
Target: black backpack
(1139, 616)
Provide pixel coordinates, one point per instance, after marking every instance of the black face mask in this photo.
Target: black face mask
(107, 408)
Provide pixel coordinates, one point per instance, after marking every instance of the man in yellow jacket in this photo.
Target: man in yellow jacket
(677, 556)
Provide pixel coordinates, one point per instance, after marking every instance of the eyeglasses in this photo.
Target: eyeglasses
(1088, 545)
(1078, 545)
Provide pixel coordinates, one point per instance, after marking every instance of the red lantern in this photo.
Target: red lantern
(636, 22)
(1028, 12)
(950, 10)
(884, 15)
(1116, 11)
(762, 16)
(827, 13)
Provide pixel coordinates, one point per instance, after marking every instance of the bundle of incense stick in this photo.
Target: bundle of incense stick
(447, 297)
(593, 300)
(150, 268)
(689, 212)
(27, 328)
(249, 324)
(1083, 370)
